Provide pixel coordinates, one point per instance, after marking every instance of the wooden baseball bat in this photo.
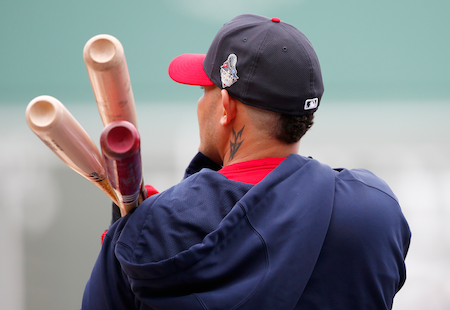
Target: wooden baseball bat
(49, 119)
(120, 144)
(107, 69)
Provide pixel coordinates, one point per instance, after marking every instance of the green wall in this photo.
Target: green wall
(386, 49)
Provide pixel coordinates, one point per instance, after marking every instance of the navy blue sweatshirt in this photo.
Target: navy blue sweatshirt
(305, 237)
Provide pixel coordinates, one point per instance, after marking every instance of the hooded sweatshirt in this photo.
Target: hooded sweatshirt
(305, 237)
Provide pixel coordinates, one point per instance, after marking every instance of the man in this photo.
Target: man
(253, 225)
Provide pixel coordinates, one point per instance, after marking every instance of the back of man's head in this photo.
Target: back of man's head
(284, 127)
(262, 62)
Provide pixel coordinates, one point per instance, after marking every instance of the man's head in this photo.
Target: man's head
(269, 68)
(261, 62)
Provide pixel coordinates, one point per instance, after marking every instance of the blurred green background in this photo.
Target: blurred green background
(368, 49)
(386, 106)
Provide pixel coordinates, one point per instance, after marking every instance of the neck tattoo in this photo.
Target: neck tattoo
(234, 146)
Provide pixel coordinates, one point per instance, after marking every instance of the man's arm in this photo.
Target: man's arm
(199, 162)
(108, 287)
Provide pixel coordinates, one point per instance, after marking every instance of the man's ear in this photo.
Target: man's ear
(229, 108)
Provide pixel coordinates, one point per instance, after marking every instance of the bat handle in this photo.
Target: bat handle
(142, 193)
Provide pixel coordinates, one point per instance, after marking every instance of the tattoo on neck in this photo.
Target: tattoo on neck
(234, 146)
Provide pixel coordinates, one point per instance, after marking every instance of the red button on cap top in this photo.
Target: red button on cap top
(276, 20)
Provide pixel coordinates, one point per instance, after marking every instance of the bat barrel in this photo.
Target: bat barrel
(55, 126)
(122, 140)
(120, 145)
(103, 52)
(49, 119)
(107, 69)
(42, 112)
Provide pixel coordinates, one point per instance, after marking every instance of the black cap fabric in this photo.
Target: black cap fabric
(262, 62)
(276, 66)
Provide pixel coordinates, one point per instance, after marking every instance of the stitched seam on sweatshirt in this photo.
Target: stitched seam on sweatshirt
(370, 186)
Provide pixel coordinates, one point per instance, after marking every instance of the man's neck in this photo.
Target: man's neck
(258, 150)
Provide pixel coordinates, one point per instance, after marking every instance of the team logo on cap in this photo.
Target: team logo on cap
(311, 103)
(228, 71)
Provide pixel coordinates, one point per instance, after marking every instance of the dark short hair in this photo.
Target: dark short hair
(284, 127)
(292, 127)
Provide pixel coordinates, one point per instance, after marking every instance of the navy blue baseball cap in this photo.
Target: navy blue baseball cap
(262, 62)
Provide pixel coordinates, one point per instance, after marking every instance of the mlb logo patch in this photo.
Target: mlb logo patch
(311, 103)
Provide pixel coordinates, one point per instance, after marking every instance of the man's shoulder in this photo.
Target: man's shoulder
(356, 191)
(366, 208)
(179, 217)
(362, 177)
(351, 177)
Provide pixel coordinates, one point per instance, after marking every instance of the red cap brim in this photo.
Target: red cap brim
(188, 69)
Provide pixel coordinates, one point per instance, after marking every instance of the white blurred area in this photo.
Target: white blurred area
(403, 143)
